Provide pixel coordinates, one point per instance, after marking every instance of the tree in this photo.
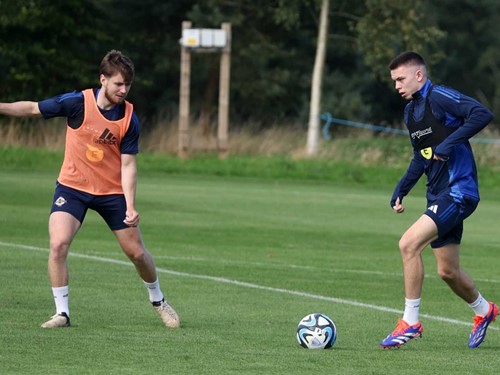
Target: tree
(390, 27)
(50, 46)
(149, 31)
(45, 48)
(272, 51)
(471, 48)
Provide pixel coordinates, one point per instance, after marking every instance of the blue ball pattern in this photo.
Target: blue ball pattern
(316, 331)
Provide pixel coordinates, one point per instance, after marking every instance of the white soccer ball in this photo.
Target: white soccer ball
(316, 331)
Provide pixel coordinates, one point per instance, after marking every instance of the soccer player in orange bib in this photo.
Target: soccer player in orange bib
(99, 172)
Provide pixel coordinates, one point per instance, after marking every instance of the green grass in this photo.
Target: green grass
(234, 256)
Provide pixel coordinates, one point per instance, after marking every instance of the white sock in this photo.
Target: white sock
(155, 294)
(480, 306)
(61, 299)
(412, 307)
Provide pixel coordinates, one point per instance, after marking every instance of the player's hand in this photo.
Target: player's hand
(131, 218)
(398, 207)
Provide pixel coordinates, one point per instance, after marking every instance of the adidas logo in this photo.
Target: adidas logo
(106, 138)
(433, 208)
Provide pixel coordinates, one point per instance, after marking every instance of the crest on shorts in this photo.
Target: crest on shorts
(60, 202)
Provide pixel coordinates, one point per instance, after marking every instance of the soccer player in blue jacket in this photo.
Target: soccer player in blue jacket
(440, 121)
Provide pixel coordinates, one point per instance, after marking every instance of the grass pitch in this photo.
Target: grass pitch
(242, 261)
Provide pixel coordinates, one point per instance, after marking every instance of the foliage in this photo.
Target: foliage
(272, 54)
(472, 57)
(149, 32)
(53, 46)
(46, 46)
(393, 26)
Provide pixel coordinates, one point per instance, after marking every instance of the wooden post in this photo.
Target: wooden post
(184, 98)
(223, 120)
(225, 63)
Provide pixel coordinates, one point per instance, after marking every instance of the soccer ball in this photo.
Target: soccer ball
(316, 331)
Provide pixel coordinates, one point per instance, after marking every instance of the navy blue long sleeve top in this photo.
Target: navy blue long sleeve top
(458, 173)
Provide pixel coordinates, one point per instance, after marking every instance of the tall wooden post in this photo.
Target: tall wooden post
(225, 64)
(206, 40)
(184, 98)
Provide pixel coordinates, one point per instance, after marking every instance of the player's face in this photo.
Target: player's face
(115, 88)
(408, 79)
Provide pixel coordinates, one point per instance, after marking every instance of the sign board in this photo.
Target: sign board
(204, 38)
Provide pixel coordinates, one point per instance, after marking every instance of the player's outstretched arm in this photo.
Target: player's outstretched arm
(20, 109)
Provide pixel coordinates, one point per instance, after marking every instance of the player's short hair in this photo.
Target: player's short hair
(407, 58)
(116, 62)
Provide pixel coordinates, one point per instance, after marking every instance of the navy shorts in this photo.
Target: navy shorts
(111, 207)
(449, 213)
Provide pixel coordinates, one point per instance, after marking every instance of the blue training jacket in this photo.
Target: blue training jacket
(458, 174)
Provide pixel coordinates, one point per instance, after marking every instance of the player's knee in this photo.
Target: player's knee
(138, 256)
(448, 274)
(406, 247)
(58, 249)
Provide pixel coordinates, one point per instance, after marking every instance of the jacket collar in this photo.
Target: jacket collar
(423, 92)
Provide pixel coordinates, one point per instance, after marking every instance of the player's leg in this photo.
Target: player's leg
(448, 262)
(411, 245)
(448, 268)
(452, 212)
(62, 229)
(67, 213)
(113, 210)
(131, 242)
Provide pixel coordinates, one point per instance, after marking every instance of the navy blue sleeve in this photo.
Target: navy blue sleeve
(130, 142)
(68, 105)
(459, 111)
(410, 178)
